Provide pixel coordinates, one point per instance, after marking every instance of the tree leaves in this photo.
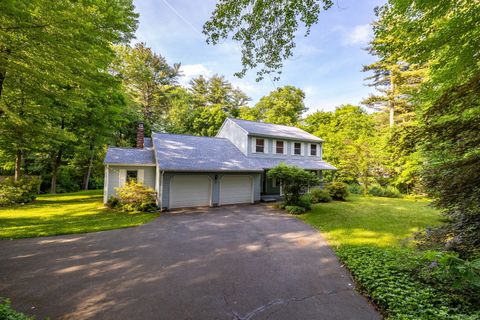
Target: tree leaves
(265, 30)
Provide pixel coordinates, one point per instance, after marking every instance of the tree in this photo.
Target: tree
(448, 104)
(396, 83)
(265, 29)
(294, 181)
(282, 106)
(45, 72)
(214, 100)
(147, 78)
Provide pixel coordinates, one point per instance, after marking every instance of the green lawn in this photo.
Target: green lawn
(67, 213)
(371, 220)
(371, 236)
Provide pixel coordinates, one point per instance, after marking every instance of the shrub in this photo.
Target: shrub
(354, 188)
(338, 190)
(295, 209)
(7, 313)
(388, 192)
(133, 196)
(305, 201)
(294, 181)
(387, 276)
(22, 191)
(113, 202)
(320, 195)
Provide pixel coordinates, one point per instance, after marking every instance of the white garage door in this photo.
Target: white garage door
(190, 191)
(236, 189)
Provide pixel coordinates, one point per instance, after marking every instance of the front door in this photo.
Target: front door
(270, 186)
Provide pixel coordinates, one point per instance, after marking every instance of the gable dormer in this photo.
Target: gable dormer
(261, 139)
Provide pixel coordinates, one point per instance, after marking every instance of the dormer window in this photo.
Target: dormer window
(313, 149)
(279, 147)
(260, 145)
(297, 148)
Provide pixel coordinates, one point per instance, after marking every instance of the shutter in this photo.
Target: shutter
(122, 177)
(302, 148)
(141, 175)
(254, 143)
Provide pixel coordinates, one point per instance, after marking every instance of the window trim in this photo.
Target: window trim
(136, 175)
(284, 147)
(301, 149)
(264, 145)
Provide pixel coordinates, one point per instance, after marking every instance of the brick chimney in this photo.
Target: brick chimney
(140, 135)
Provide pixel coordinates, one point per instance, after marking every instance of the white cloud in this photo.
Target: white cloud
(190, 71)
(247, 87)
(360, 34)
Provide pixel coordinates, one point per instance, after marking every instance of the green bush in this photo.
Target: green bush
(387, 192)
(22, 191)
(338, 190)
(305, 201)
(7, 313)
(295, 209)
(113, 202)
(354, 188)
(388, 277)
(294, 181)
(320, 195)
(134, 196)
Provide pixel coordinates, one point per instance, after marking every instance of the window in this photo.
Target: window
(279, 147)
(297, 148)
(313, 149)
(259, 145)
(132, 175)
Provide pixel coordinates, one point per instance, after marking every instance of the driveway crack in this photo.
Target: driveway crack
(279, 301)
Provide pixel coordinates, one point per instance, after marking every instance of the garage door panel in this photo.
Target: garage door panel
(235, 189)
(190, 191)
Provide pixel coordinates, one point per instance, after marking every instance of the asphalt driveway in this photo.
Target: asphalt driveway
(233, 262)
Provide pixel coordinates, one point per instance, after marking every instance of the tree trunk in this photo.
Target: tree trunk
(56, 165)
(18, 165)
(392, 111)
(86, 177)
(391, 107)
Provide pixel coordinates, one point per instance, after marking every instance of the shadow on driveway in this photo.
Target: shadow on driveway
(232, 262)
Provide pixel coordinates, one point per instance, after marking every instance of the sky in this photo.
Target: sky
(326, 65)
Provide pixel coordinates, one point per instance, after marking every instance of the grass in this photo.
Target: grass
(372, 221)
(371, 235)
(67, 213)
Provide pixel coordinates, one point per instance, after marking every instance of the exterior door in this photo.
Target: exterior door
(236, 189)
(190, 191)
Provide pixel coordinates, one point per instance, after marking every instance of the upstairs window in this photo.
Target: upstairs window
(297, 148)
(279, 147)
(132, 175)
(313, 149)
(260, 145)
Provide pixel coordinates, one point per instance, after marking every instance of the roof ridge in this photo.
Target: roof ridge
(187, 135)
(273, 124)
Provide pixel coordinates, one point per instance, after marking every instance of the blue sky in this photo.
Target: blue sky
(326, 65)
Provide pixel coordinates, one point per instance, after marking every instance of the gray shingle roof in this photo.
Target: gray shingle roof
(275, 130)
(129, 156)
(307, 164)
(176, 152)
(192, 153)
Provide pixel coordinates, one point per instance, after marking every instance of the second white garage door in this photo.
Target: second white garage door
(190, 191)
(236, 189)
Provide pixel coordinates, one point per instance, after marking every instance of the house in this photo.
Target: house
(190, 171)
